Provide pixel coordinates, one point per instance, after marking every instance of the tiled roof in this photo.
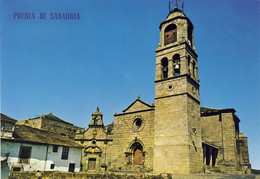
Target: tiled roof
(215, 110)
(31, 135)
(7, 118)
(206, 111)
(51, 117)
(109, 127)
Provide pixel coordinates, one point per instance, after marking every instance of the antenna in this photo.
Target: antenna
(170, 5)
(176, 5)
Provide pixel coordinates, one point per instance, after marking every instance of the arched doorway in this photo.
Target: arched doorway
(137, 151)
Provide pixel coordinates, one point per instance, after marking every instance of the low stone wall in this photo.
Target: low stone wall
(82, 175)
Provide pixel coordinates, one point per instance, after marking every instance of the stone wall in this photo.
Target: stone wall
(65, 129)
(244, 154)
(194, 131)
(126, 134)
(229, 137)
(81, 175)
(219, 129)
(96, 144)
(171, 152)
(177, 126)
(51, 125)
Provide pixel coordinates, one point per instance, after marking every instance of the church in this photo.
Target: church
(174, 134)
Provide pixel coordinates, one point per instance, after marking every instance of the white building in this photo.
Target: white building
(31, 149)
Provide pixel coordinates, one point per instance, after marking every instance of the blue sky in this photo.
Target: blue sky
(107, 58)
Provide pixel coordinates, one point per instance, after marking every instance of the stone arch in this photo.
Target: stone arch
(135, 141)
(136, 153)
(164, 67)
(176, 64)
(93, 150)
(170, 34)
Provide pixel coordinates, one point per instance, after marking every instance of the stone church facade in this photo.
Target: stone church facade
(175, 134)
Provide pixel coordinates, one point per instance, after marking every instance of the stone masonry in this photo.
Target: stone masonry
(175, 135)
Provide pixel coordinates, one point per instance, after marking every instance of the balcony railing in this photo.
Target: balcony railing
(23, 160)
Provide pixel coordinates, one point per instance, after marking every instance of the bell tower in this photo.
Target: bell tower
(96, 119)
(177, 103)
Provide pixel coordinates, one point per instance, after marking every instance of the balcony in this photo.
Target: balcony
(24, 160)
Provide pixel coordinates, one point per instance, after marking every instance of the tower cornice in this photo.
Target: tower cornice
(180, 76)
(190, 96)
(174, 18)
(193, 52)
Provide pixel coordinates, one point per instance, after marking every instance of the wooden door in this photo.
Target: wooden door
(91, 163)
(138, 156)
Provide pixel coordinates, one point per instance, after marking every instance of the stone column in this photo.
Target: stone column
(170, 68)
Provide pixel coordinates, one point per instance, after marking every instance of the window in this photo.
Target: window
(164, 63)
(138, 122)
(6, 126)
(16, 169)
(54, 148)
(25, 154)
(96, 120)
(189, 66)
(177, 65)
(170, 34)
(65, 153)
(190, 34)
(52, 166)
(71, 167)
(91, 163)
(193, 69)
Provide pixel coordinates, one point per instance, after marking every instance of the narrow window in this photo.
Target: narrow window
(164, 63)
(190, 34)
(55, 148)
(170, 34)
(96, 120)
(65, 153)
(25, 154)
(71, 167)
(189, 60)
(177, 65)
(91, 163)
(193, 70)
